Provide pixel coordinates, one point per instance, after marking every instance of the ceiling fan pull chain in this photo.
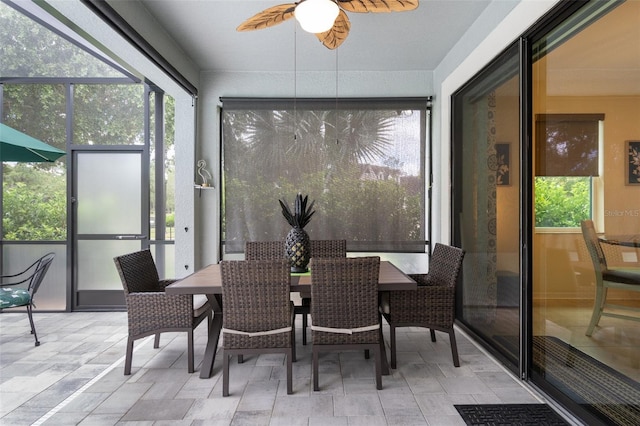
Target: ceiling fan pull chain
(295, 80)
(336, 124)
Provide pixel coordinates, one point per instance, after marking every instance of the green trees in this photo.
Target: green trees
(49, 70)
(562, 202)
(34, 204)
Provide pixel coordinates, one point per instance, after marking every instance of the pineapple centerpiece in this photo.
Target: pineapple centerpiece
(297, 242)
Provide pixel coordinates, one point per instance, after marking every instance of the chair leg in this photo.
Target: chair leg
(290, 357)
(378, 355)
(304, 329)
(33, 326)
(305, 308)
(366, 354)
(314, 361)
(392, 338)
(433, 334)
(190, 362)
(454, 348)
(293, 344)
(156, 341)
(597, 310)
(129, 355)
(225, 374)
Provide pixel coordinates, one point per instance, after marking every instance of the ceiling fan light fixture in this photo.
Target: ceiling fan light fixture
(316, 16)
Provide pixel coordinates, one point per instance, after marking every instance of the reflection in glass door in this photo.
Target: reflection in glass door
(586, 106)
(109, 212)
(487, 204)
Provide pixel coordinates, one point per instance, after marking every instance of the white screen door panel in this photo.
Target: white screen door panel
(109, 215)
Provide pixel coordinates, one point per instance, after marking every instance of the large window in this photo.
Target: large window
(362, 161)
(567, 183)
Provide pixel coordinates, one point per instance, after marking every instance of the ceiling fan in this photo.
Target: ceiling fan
(325, 18)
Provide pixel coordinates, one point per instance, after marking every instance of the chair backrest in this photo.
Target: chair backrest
(41, 270)
(255, 294)
(328, 248)
(138, 272)
(344, 291)
(264, 250)
(268, 250)
(593, 246)
(444, 265)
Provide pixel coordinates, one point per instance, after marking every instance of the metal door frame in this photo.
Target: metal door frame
(114, 298)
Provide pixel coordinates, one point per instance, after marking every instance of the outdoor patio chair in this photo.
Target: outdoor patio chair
(151, 311)
(19, 290)
(267, 250)
(607, 278)
(344, 311)
(258, 315)
(432, 305)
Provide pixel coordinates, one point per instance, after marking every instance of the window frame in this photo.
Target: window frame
(596, 190)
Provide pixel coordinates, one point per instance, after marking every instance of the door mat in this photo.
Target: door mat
(598, 388)
(509, 414)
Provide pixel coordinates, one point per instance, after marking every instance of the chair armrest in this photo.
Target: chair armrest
(434, 304)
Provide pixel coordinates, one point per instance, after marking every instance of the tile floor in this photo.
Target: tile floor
(76, 378)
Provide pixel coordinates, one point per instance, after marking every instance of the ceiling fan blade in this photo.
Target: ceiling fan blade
(376, 6)
(333, 38)
(268, 17)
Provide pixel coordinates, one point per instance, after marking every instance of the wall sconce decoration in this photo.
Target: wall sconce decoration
(204, 174)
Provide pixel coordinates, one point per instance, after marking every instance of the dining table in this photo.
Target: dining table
(208, 281)
(622, 240)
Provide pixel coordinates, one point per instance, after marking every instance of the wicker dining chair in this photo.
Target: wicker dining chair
(264, 250)
(607, 278)
(432, 305)
(19, 290)
(150, 311)
(267, 250)
(344, 311)
(258, 315)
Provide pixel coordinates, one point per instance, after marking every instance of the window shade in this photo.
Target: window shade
(361, 160)
(567, 144)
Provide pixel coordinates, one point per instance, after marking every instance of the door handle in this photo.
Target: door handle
(130, 237)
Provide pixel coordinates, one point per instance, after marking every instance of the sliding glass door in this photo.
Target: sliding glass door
(487, 203)
(586, 109)
(545, 138)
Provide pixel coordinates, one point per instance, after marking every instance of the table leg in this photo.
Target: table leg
(214, 336)
(383, 352)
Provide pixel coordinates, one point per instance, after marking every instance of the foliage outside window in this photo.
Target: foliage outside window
(562, 202)
(34, 194)
(367, 178)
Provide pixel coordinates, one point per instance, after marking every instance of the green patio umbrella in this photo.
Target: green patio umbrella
(19, 147)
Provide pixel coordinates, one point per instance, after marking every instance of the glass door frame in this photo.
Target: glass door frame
(520, 366)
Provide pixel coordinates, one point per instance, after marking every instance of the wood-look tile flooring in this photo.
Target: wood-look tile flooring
(76, 378)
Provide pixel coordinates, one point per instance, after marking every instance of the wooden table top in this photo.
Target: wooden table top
(622, 240)
(209, 281)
